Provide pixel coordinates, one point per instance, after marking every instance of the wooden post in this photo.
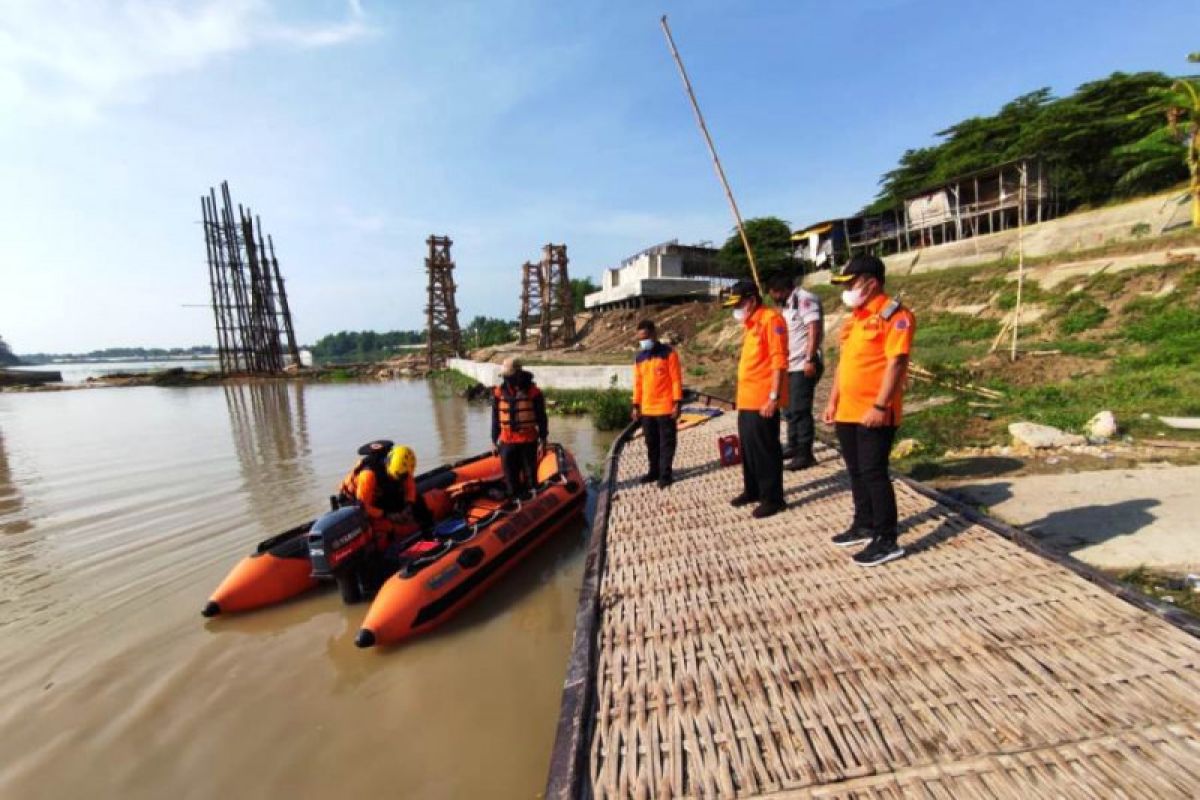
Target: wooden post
(222, 349)
(293, 349)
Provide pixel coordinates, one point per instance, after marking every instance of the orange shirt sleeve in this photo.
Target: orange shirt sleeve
(365, 493)
(900, 335)
(676, 377)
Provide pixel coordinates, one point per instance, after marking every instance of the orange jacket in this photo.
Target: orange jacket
(518, 411)
(868, 342)
(379, 497)
(764, 353)
(657, 381)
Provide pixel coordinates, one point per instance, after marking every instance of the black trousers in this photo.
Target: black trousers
(866, 452)
(519, 462)
(660, 444)
(762, 456)
(799, 413)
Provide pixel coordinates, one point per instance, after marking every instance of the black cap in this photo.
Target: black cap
(379, 447)
(861, 264)
(740, 291)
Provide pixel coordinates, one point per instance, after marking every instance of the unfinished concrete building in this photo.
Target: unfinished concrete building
(978, 203)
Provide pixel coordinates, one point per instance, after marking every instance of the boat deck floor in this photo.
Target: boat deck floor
(734, 657)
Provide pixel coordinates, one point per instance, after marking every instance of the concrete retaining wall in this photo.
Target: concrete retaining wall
(552, 377)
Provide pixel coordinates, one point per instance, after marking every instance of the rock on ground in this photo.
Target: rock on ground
(1036, 436)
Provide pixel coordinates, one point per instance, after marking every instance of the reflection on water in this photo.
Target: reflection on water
(123, 508)
(450, 419)
(10, 497)
(270, 437)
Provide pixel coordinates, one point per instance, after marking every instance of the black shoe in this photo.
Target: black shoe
(649, 477)
(853, 536)
(800, 462)
(879, 551)
(790, 452)
(742, 499)
(665, 481)
(765, 510)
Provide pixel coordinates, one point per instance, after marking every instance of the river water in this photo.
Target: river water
(122, 508)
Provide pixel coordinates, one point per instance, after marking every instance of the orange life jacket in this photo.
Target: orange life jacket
(518, 421)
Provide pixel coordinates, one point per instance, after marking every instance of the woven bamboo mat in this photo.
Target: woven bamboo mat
(742, 658)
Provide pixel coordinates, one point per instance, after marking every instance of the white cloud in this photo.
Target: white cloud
(75, 58)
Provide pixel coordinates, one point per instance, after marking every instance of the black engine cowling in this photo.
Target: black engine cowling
(341, 548)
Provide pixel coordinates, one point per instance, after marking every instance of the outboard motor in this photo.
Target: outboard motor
(340, 547)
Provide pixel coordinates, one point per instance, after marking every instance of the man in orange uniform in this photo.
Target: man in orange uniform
(384, 484)
(761, 389)
(518, 424)
(865, 402)
(657, 395)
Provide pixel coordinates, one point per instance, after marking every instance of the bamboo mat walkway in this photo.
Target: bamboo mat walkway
(735, 658)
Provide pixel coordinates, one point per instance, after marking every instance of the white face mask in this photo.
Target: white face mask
(854, 297)
(645, 344)
(739, 314)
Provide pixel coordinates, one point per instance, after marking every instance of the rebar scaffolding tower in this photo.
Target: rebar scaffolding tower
(533, 289)
(444, 336)
(557, 301)
(250, 307)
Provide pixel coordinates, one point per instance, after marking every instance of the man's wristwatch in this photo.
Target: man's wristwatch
(878, 407)
(773, 396)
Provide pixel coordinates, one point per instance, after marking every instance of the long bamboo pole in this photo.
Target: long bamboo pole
(1016, 322)
(712, 150)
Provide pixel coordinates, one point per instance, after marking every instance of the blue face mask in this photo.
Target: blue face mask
(645, 344)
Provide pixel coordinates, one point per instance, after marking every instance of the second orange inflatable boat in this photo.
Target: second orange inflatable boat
(481, 534)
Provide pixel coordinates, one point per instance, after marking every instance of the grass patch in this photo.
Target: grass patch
(608, 408)
(1077, 347)
(1163, 587)
(1078, 312)
(1031, 292)
(937, 429)
(452, 380)
(945, 339)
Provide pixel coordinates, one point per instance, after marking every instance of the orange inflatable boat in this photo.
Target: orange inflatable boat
(425, 577)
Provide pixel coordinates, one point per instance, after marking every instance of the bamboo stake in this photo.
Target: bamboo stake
(1016, 322)
(712, 150)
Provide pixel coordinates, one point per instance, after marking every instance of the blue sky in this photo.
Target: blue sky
(356, 129)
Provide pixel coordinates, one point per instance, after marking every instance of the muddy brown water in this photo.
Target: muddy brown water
(121, 510)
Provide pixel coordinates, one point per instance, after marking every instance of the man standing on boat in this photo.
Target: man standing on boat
(519, 426)
(657, 395)
(806, 329)
(865, 403)
(761, 388)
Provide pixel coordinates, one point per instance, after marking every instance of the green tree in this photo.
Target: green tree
(1167, 149)
(6, 355)
(489, 332)
(770, 239)
(581, 287)
(1076, 136)
(362, 345)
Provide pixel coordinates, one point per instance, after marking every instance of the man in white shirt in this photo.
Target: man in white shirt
(806, 330)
